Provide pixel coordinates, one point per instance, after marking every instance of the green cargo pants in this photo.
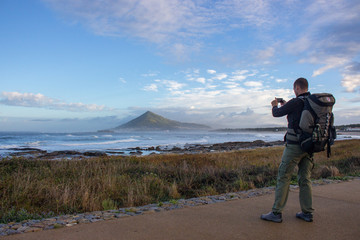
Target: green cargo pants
(292, 156)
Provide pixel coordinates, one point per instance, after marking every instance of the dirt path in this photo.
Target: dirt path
(337, 216)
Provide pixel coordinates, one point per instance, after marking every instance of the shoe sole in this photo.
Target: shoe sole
(305, 219)
(275, 221)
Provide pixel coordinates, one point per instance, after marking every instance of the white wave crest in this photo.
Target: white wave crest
(102, 143)
(9, 146)
(33, 144)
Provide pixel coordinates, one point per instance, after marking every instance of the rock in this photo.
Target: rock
(49, 227)
(57, 154)
(95, 220)
(16, 226)
(95, 154)
(70, 224)
(73, 221)
(84, 221)
(59, 222)
(33, 229)
(121, 215)
(11, 231)
(22, 228)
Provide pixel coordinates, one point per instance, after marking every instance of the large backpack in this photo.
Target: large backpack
(317, 123)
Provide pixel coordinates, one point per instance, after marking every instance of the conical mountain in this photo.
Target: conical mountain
(152, 121)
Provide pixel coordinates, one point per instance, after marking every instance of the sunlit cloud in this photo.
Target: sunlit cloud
(330, 63)
(351, 77)
(41, 101)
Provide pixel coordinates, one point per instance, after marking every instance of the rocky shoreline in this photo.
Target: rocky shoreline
(138, 151)
(90, 217)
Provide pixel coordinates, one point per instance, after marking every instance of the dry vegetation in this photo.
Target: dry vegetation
(67, 186)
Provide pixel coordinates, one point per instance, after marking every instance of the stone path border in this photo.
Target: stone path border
(90, 217)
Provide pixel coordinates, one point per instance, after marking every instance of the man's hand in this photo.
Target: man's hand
(275, 103)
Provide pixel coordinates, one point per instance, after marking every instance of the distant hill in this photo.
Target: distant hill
(152, 121)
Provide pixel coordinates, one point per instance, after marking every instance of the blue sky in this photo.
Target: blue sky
(86, 65)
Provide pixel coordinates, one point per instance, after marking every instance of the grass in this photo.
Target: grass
(29, 187)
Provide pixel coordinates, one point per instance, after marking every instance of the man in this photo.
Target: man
(292, 156)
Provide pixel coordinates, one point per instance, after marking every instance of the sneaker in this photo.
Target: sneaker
(308, 217)
(272, 217)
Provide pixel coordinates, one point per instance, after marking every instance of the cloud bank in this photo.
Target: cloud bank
(41, 101)
(236, 99)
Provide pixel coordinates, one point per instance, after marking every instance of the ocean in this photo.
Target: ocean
(121, 141)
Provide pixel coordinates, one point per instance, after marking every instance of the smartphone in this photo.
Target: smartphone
(280, 100)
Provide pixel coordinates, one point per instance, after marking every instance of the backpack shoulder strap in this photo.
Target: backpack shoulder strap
(309, 108)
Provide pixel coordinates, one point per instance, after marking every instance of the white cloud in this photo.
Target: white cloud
(41, 101)
(351, 77)
(299, 45)
(152, 87)
(240, 72)
(281, 80)
(180, 26)
(331, 62)
(231, 84)
(122, 80)
(266, 53)
(220, 76)
(238, 78)
(170, 85)
(330, 36)
(240, 75)
(253, 84)
(254, 13)
(351, 82)
(176, 26)
(150, 74)
(159, 21)
(201, 80)
(211, 71)
(173, 85)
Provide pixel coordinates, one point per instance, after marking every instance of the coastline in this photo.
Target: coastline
(140, 151)
(86, 145)
(188, 180)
